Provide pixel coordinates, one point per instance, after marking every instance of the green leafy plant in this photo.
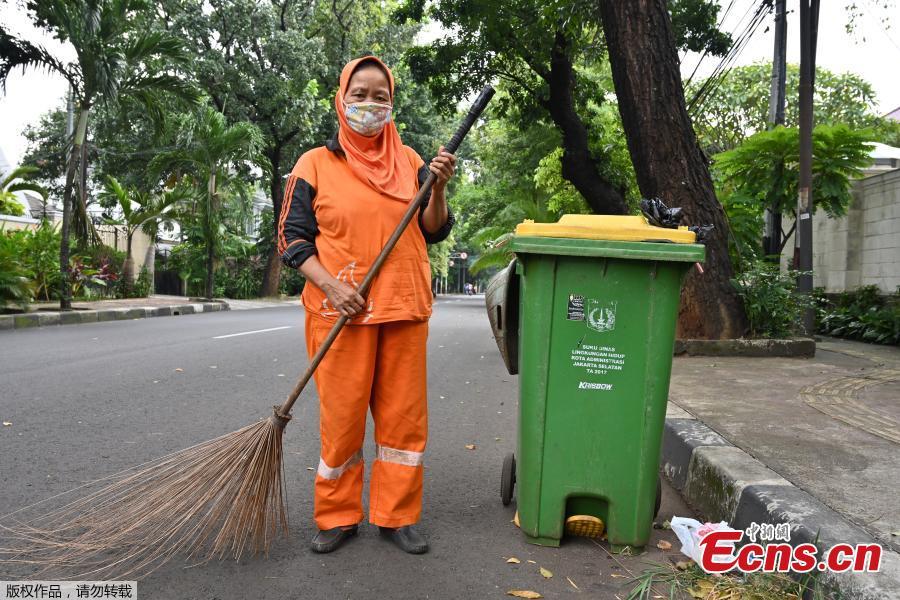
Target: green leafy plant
(143, 284)
(767, 167)
(40, 254)
(86, 279)
(15, 288)
(291, 283)
(770, 299)
(862, 314)
(745, 220)
(17, 181)
(764, 172)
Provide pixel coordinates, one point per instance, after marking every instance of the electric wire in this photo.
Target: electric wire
(718, 26)
(711, 83)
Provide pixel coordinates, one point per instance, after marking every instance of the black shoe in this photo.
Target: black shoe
(407, 539)
(328, 540)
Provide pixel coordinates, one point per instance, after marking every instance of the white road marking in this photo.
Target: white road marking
(219, 337)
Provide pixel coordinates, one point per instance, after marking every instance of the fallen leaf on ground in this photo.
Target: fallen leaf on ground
(546, 573)
(572, 582)
(516, 520)
(179, 370)
(7, 423)
(523, 594)
(683, 565)
(666, 525)
(664, 545)
(470, 446)
(513, 559)
(704, 589)
(532, 562)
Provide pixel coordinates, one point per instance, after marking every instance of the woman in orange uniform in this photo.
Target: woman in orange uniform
(341, 204)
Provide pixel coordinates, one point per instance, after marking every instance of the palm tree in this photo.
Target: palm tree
(115, 58)
(210, 150)
(140, 210)
(9, 186)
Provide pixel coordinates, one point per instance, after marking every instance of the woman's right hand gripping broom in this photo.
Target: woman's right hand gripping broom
(342, 296)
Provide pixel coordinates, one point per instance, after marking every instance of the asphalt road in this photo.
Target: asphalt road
(89, 400)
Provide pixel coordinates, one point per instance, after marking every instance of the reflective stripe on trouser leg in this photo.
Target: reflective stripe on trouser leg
(344, 383)
(326, 472)
(398, 457)
(400, 412)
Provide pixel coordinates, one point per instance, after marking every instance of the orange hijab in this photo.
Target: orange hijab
(380, 159)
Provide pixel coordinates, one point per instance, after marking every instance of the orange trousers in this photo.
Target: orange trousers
(379, 367)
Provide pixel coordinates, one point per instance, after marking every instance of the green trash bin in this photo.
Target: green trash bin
(598, 306)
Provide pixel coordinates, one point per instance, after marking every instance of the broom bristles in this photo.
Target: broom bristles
(224, 497)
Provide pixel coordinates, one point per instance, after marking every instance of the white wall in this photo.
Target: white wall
(863, 247)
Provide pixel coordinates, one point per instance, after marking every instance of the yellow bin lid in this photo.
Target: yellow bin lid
(620, 228)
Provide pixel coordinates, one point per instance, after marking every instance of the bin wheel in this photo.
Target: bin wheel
(658, 496)
(508, 478)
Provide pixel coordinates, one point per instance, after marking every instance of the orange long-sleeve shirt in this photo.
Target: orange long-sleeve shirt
(327, 210)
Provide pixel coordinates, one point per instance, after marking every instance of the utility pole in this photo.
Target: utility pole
(809, 27)
(772, 237)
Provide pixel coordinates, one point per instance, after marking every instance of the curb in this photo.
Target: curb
(760, 348)
(75, 317)
(724, 483)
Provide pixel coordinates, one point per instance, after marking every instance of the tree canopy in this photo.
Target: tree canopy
(543, 52)
(738, 106)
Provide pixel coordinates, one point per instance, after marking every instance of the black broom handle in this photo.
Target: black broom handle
(477, 108)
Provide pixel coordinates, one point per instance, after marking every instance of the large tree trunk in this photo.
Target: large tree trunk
(578, 167)
(272, 274)
(667, 159)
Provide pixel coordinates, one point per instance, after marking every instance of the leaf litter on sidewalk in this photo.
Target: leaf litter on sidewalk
(523, 594)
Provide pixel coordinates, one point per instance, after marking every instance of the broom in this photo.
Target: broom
(218, 498)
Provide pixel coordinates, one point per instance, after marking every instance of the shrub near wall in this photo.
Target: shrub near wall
(862, 314)
(773, 306)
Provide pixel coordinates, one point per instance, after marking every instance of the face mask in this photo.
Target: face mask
(367, 118)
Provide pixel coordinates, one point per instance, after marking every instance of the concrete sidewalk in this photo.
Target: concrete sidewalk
(814, 442)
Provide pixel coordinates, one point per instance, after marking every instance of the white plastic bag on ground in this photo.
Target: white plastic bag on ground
(691, 531)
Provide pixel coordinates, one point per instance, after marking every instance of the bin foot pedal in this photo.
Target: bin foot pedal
(584, 526)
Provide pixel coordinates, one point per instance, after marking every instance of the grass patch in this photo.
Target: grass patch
(685, 580)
